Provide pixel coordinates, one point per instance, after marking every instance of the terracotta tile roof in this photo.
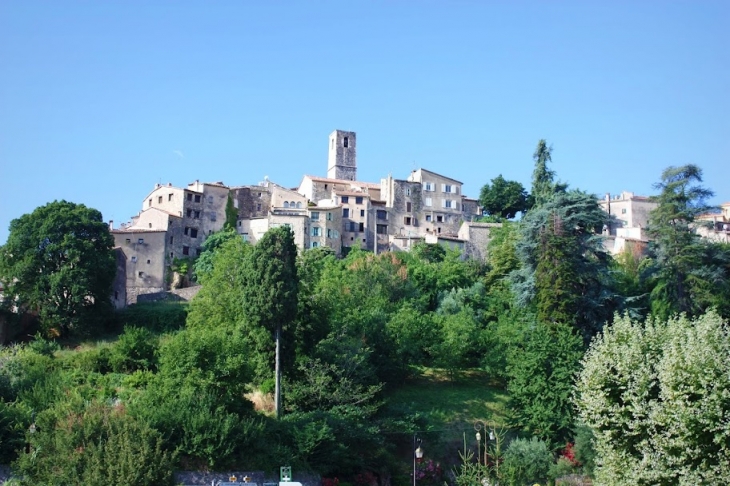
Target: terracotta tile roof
(137, 230)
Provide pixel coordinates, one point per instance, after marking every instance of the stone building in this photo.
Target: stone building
(716, 226)
(628, 219)
(385, 216)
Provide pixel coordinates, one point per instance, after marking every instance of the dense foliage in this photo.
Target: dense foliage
(656, 394)
(190, 386)
(58, 263)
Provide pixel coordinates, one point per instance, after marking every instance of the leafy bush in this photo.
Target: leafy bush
(135, 350)
(43, 346)
(157, 317)
(95, 445)
(526, 461)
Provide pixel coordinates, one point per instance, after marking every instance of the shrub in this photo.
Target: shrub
(135, 350)
(96, 445)
(526, 461)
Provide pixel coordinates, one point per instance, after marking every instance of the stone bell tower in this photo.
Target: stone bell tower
(342, 160)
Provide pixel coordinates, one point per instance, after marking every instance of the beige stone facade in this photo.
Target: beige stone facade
(716, 226)
(628, 219)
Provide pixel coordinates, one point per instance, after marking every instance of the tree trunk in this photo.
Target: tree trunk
(277, 388)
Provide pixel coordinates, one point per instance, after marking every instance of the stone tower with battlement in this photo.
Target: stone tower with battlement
(342, 160)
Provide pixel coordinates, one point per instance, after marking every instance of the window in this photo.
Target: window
(299, 205)
(315, 231)
(314, 216)
(141, 274)
(193, 233)
(186, 250)
(408, 191)
(196, 215)
(428, 202)
(149, 203)
(358, 200)
(362, 227)
(149, 225)
(345, 212)
(172, 255)
(381, 229)
(428, 218)
(197, 198)
(148, 262)
(159, 199)
(140, 241)
(344, 199)
(129, 240)
(408, 207)
(439, 219)
(329, 233)
(213, 217)
(210, 199)
(245, 236)
(446, 187)
(381, 214)
(239, 224)
(329, 216)
(352, 226)
(258, 207)
(190, 197)
(429, 186)
(345, 142)
(315, 244)
(134, 259)
(171, 239)
(189, 213)
(187, 231)
(407, 220)
(439, 230)
(446, 203)
(362, 213)
(623, 211)
(286, 204)
(169, 197)
(336, 234)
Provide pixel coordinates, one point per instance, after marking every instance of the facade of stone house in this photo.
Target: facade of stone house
(715, 226)
(476, 237)
(628, 219)
(146, 262)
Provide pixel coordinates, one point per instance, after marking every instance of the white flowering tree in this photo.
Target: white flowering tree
(657, 397)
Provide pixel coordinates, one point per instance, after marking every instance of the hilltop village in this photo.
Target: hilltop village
(337, 211)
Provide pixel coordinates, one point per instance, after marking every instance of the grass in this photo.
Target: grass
(452, 402)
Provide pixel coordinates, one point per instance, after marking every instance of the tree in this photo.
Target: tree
(203, 265)
(503, 198)
(565, 271)
(231, 214)
(543, 185)
(655, 396)
(540, 374)
(270, 294)
(686, 268)
(58, 262)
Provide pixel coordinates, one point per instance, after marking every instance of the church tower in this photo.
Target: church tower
(342, 160)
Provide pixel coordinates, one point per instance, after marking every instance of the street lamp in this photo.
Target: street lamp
(417, 455)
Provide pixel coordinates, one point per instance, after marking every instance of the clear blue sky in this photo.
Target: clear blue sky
(100, 100)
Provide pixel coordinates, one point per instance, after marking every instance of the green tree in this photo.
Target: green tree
(58, 262)
(231, 214)
(503, 198)
(565, 271)
(543, 178)
(655, 396)
(686, 268)
(270, 294)
(540, 380)
(203, 265)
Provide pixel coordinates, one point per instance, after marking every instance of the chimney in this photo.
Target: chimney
(111, 224)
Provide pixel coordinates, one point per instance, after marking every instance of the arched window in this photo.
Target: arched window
(286, 204)
(299, 205)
